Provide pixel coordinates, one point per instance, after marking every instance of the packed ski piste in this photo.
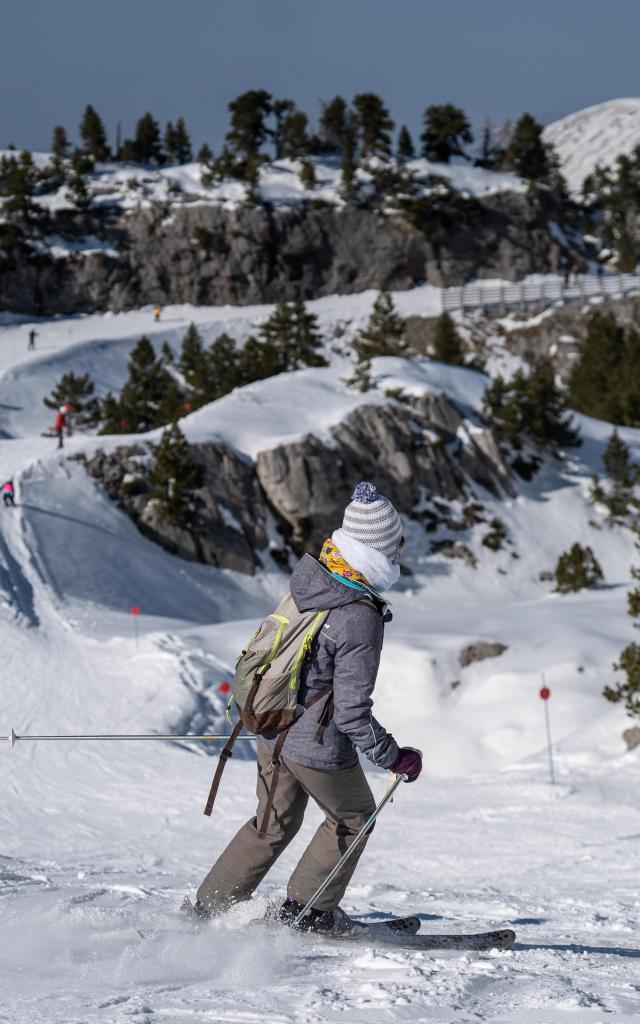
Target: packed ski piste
(410, 855)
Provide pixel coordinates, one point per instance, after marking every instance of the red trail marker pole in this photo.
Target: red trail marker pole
(545, 693)
(135, 611)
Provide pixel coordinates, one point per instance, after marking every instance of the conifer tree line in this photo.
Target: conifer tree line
(262, 128)
(160, 389)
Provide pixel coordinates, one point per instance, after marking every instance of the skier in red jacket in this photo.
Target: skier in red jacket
(59, 424)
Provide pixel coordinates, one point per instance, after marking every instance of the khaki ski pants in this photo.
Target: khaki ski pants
(347, 801)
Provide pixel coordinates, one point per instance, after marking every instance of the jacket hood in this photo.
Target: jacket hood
(313, 586)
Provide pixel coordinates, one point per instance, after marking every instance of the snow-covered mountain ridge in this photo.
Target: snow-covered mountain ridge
(594, 136)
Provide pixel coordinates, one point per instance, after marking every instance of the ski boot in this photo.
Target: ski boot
(323, 922)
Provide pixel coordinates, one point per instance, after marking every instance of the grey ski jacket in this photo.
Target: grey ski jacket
(346, 655)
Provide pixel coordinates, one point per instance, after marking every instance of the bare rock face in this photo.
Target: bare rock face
(207, 254)
(632, 737)
(479, 651)
(412, 454)
(229, 529)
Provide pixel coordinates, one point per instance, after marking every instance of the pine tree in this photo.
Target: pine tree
(17, 183)
(224, 366)
(604, 381)
(446, 128)
(149, 398)
(384, 333)
(204, 154)
(618, 496)
(307, 175)
(373, 125)
(405, 149)
(447, 344)
(182, 142)
(577, 569)
(306, 341)
(348, 185)
(169, 143)
(94, 136)
(59, 144)
(174, 476)
(147, 145)
(492, 154)
(295, 141)
(531, 406)
(257, 361)
(333, 125)
(281, 110)
(78, 391)
(193, 366)
(78, 182)
(528, 155)
(249, 131)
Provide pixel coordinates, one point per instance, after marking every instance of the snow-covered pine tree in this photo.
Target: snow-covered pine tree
(94, 136)
(373, 125)
(577, 569)
(79, 391)
(447, 343)
(249, 131)
(173, 478)
(446, 129)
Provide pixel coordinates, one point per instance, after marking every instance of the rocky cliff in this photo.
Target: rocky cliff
(206, 253)
(296, 492)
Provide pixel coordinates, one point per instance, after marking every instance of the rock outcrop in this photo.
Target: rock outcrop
(209, 254)
(299, 490)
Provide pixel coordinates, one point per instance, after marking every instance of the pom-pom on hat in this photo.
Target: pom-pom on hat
(371, 519)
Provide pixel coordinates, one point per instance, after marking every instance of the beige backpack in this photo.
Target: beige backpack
(266, 685)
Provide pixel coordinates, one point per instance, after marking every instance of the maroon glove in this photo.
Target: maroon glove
(408, 762)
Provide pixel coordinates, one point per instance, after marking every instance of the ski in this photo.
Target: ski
(384, 933)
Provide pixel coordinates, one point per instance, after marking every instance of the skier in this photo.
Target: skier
(355, 564)
(157, 309)
(33, 334)
(8, 493)
(59, 425)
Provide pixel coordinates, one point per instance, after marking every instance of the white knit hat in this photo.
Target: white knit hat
(371, 519)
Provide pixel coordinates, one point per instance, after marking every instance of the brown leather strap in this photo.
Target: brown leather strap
(275, 762)
(324, 692)
(225, 754)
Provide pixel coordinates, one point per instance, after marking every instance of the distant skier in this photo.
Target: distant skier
(60, 424)
(157, 309)
(319, 756)
(8, 493)
(33, 334)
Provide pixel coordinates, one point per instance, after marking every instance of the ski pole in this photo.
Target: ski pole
(13, 737)
(345, 857)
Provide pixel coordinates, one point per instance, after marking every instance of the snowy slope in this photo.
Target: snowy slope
(100, 841)
(594, 136)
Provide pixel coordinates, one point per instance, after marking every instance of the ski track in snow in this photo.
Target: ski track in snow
(101, 841)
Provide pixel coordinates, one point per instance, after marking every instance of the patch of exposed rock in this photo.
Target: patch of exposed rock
(479, 651)
(207, 254)
(413, 453)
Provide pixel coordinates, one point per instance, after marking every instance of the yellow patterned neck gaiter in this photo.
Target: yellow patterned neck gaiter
(333, 560)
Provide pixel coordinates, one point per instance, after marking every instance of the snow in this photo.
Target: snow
(100, 841)
(595, 136)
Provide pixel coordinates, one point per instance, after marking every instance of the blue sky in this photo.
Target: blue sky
(495, 58)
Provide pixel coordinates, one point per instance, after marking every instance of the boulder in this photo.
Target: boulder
(479, 651)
